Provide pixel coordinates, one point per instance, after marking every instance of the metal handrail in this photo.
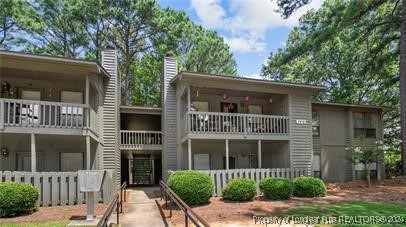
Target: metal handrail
(189, 213)
(117, 204)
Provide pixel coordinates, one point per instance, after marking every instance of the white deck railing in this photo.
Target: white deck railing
(60, 188)
(235, 123)
(221, 177)
(134, 139)
(31, 113)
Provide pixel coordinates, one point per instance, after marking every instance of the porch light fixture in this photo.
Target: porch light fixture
(224, 96)
(270, 100)
(197, 92)
(247, 98)
(4, 152)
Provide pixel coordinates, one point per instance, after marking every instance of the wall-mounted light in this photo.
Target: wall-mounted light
(4, 152)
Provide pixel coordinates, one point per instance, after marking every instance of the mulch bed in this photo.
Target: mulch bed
(224, 213)
(57, 213)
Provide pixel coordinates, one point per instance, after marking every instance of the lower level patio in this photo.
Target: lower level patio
(234, 154)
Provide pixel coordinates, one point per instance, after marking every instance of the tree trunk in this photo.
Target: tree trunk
(402, 84)
(368, 173)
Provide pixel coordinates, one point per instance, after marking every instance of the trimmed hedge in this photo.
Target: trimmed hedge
(309, 187)
(276, 188)
(17, 198)
(193, 187)
(239, 189)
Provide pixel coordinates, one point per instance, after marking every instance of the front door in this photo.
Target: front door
(142, 170)
(231, 162)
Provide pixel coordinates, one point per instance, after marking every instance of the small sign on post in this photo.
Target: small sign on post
(90, 181)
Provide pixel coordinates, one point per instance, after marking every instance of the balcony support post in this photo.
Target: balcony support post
(88, 155)
(33, 154)
(227, 156)
(189, 153)
(259, 154)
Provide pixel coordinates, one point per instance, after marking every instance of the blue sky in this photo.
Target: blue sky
(252, 28)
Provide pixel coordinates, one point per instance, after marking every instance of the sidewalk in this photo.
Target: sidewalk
(143, 210)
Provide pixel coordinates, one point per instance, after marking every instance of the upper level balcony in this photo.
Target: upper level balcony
(141, 140)
(213, 124)
(46, 95)
(140, 128)
(234, 114)
(30, 116)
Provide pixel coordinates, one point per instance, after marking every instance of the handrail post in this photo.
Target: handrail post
(121, 200)
(118, 211)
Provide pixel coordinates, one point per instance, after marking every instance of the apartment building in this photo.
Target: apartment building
(61, 115)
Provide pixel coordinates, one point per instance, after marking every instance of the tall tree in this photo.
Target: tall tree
(141, 31)
(54, 29)
(344, 15)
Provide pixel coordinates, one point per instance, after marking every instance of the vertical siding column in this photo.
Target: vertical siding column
(33, 154)
(301, 141)
(87, 90)
(259, 154)
(227, 155)
(189, 153)
(169, 121)
(111, 115)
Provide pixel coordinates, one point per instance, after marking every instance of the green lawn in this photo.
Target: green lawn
(38, 224)
(351, 212)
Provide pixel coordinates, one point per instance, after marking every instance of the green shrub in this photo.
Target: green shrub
(309, 187)
(17, 198)
(193, 187)
(239, 189)
(276, 188)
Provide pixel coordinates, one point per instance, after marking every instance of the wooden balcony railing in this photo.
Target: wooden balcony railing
(138, 139)
(41, 114)
(235, 123)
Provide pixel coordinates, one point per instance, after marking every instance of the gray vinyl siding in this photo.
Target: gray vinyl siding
(336, 133)
(111, 116)
(169, 113)
(348, 128)
(301, 134)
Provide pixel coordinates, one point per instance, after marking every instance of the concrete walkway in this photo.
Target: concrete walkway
(143, 210)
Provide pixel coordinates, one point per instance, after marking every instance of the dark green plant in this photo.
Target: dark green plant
(309, 187)
(393, 163)
(17, 198)
(239, 189)
(193, 187)
(276, 188)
